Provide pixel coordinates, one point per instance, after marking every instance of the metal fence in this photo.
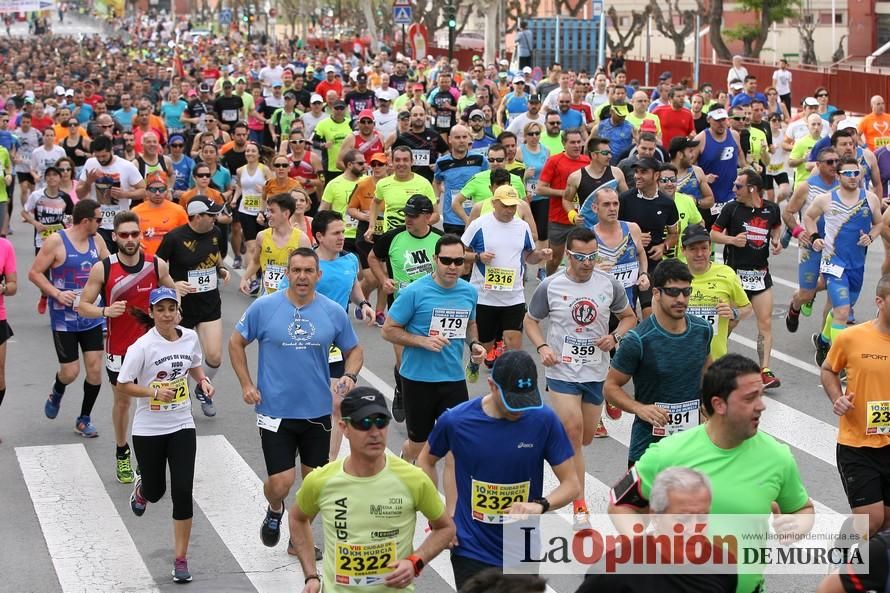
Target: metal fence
(571, 42)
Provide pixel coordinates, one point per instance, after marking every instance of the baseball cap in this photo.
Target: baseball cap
(847, 124)
(59, 90)
(534, 98)
(277, 83)
(619, 109)
(506, 195)
(240, 79)
(646, 163)
(679, 143)
(156, 177)
(378, 157)
(717, 114)
(648, 125)
(737, 86)
(404, 115)
(316, 98)
(69, 93)
(418, 204)
(516, 376)
(362, 402)
(518, 78)
(811, 102)
(477, 113)
(338, 104)
(361, 77)
(695, 233)
(204, 88)
(227, 83)
(162, 293)
(527, 70)
(329, 68)
(504, 63)
(665, 75)
(175, 138)
(290, 95)
(203, 205)
(52, 169)
(417, 86)
(366, 114)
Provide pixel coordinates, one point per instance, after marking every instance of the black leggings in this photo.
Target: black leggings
(178, 450)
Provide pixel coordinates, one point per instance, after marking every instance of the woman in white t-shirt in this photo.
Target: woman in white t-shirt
(156, 370)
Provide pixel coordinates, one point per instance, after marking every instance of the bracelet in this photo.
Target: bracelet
(156, 393)
(538, 349)
(365, 302)
(735, 314)
(103, 312)
(474, 342)
(311, 577)
(815, 236)
(798, 231)
(351, 376)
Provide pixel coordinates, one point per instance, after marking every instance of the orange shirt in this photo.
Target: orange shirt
(157, 221)
(273, 187)
(865, 353)
(875, 130)
(62, 133)
(191, 193)
(363, 194)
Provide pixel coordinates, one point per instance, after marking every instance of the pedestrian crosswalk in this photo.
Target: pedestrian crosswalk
(90, 545)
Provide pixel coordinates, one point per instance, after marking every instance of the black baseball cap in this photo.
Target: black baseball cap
(362, 402)
(418, 204)
(695, 233)
(516, 376)
(203, 88)
(534, 98)
(679, 143)
(646, 163)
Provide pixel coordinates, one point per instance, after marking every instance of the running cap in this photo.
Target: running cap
(362, 402)
(847, 124)
(203, 205)
(506, 195)
(162, 293)
(477, 113)
(718, 114)
(646, 163)
(175, 138)
(695, 233)
(679, 143)
(366, 114)
(648, 125)
(378, 157)
(316, 98)
(418, 204)
(516, 377)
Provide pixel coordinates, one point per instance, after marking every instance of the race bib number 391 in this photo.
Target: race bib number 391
(363, 565)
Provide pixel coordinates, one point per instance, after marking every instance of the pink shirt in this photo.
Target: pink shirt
(7, 267)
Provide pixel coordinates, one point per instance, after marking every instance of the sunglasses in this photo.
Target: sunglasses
(156, 190)
(106, 126)
(667, 180)
(500, 160)
(281, 165)
(849, 173)
(130, 235)
(339, 108)
(64, 169)
(202, 175)
(738, 118)
(582, 257)
(675, 291)
(533, 133)
(829, 161)
(365, 424)
(821, 95)
(452, 261)
(602, 152)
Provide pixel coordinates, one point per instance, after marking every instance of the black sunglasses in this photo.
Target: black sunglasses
(675, 291)
(452, 261)
(365, 424)
(202, 175)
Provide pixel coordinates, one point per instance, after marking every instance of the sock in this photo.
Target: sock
(58, 386)
(793, 312)
(2, 395)
(122, 452)
(835, 330)
(579, 505)
(826, 329)
(90, 394)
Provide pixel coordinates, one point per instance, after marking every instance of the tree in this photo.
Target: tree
(624, 40)
(806, 26)
(569, 7)
(754, 35)
(517, 11)
(715, 22)
(666, 24)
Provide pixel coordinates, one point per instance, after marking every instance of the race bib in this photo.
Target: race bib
(180, 399)
(467, 205)
(251, 203)
(268, 423)
(773, 169)
(49, 229)
(491, 502)
(334, 355)
(627, 274)
(709, 314)
(499, 278)
(531, 188)
(420, 158)
(717, 208)
(752, 279)
(681, 416)
(449, 323)
(877, 417)
(113, 362)
(362, 565)
(580, 351)
(109, 211)
(229, 114)
(443, 120)
(826, 267)
(203, 280)
(350, 222)
(272, 277)
(378, 226)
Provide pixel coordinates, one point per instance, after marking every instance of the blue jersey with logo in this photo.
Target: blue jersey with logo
(721, 159)
(183, 171)
(843, 227)
(490, 453)
(453, 174)
(72, 275)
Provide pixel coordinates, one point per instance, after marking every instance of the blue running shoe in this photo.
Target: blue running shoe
(85, 428)
(53, 403)
(181, 572)
(207, 406)
(137, 502)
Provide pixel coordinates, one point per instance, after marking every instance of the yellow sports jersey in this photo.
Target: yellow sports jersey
(368, 522)
(273, 259)
(689, 214)
(395, 194)
(718, 285)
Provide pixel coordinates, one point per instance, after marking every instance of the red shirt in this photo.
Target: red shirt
(584, 108)
(41, 123)
(133, 286)
(324, 86)
(92, 100)
(674, 122)
(556, 173)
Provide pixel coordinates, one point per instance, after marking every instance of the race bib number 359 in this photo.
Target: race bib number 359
(362, 565)
(491, 502)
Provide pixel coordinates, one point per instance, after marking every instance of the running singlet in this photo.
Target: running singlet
(454, 174)
(721, 159)
(303, 169)
(273, 259)
(131, 284)
(843, 228)
(48, 211)
(370, 147)
(408, 257)
(426, 146)
(72, 275)
(623, 258)
(586, 186)
(688, 184)
(361, 540)
(718, 285)
(251, 185)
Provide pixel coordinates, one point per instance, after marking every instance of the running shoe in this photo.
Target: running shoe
(379, 319)
(236, 262)
(490, 357)
(472, 372)
(822, 348)
(137, 502)
(125, 473)
(398, 405)
(499, 348)
(41, 305)
(614, 412)
(270, 532)
(792, 319)
(581, 520)
(770, 381)
(254, 287)
(52, 405)
(206, 403)
(85, 428)
(600, 432)
(807, 309)
(181, 572)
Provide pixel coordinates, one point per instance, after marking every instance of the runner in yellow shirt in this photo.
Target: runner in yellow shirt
(274, 245)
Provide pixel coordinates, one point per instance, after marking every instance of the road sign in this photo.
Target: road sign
(327, 22)
(401, 15)
(225, 16)
(401, 3)
(597, 8)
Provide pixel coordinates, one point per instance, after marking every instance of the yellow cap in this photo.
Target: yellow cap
(507, 195)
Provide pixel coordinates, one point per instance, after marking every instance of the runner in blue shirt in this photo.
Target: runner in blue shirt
(295, 329)
(453, 170)
(500, 443)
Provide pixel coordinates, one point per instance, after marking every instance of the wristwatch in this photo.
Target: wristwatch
(617, 337)
(418, 563)
(545, 504)
(351, 376)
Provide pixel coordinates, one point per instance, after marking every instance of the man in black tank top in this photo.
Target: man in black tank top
(582, 183)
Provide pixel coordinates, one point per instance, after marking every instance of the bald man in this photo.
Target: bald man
(874, 128)
(453, 170)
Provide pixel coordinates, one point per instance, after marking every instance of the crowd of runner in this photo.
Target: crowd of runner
(558, 223)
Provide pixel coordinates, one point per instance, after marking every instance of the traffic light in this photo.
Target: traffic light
(451, 14)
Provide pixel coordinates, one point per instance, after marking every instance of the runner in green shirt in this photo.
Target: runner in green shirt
(392, 192)
(337, 193)
(332, 131)
(687, 208)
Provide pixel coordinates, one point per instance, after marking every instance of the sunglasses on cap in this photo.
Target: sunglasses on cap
(675, 291)
(365, 424)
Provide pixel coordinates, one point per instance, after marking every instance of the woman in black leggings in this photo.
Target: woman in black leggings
(156, 370)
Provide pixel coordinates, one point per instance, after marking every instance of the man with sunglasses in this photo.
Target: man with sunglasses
(296, 329)
(365, 139)
(431, 321)
(667, 380)
(823, 180)
(500, 442)
(340, 492)
(575, 350)
(158, 215)
(124, 281)
(552, 138)
(331, 132)
(851, 221)
(182, 165)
